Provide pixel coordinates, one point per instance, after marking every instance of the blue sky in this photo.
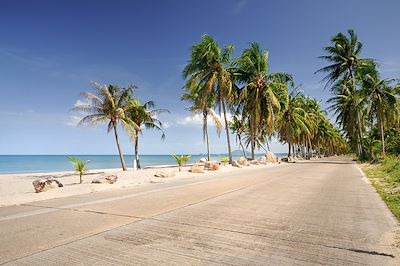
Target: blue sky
(51, 50)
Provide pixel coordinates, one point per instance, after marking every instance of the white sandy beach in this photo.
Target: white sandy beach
(17, 188)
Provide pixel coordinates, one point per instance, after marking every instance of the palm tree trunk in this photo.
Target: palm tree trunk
(136, 162)
(252, 138)
(121, 157)
(227, 131)
(382, 133)
(241, 145)
(80, 178)
(206, 135)
(359, 137)
(359, 131)
(290, 150)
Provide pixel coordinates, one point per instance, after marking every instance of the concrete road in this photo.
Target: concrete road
(315, 212)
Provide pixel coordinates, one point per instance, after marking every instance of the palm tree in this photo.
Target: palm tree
(263, 93)
(382, 100)
(292, 121)
(349, 106)
(107, 104)
(143, 115)
(205, 108)
(208, 68)
(343, 55)
(238, 126)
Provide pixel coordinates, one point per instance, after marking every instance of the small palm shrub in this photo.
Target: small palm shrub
(224, 159)
(79, 166)
(181, 159)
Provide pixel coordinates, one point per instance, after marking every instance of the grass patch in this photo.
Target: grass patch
(385, 177)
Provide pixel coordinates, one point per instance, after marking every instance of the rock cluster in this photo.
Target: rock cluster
(196, 169)
(109, 179)
(42, 185)
(211, 166)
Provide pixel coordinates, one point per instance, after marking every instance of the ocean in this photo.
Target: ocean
(54, 163)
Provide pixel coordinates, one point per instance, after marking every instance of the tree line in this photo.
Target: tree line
(267, 104)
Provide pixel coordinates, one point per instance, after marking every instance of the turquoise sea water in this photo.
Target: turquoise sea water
(54, 163)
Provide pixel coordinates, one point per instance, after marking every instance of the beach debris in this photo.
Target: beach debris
(42, 185)
(164, 174)
(289, 159)
(109, 179)
(211, 166)
(196, 169)
(236, 164)
(271, 157)
(243, 161)
(203, 160)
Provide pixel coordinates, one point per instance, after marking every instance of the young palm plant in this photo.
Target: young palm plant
(106, 105)
(181, 160)
(79, 166)
(208, 68)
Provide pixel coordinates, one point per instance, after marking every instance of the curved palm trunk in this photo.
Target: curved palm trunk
(205, 116)
(121, 157)
(136, 162)
(359, 137)
(382, 133)
(358, 118)
(241, 145)
(227, 132)
(252, 138)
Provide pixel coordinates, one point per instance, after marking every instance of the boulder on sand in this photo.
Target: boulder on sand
(109, 179)
(196, 169)
(263, 160)
(42, 185)
(165, 174)
(243, 161)
(211, 166)
(271, 157)
(236, 164)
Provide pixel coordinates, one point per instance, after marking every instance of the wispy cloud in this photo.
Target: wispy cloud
(197, 120)
(238, 7)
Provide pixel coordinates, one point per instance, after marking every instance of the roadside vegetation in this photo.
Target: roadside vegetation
(385, 177)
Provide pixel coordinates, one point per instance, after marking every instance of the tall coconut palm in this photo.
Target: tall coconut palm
(382, 100)
(106, 105)
(238, 126)
(143, 115)
(292, 121)
(263, 92)
(205, 108)
(208, 68)
(344, 56)
(349, 106)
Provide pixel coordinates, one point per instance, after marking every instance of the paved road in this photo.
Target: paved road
(315, 212)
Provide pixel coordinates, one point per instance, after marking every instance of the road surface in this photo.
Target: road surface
(307, 213)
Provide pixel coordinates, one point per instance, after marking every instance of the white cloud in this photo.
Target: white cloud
(197, 120)
(73, 120)
(166, 125)
(79, 102)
